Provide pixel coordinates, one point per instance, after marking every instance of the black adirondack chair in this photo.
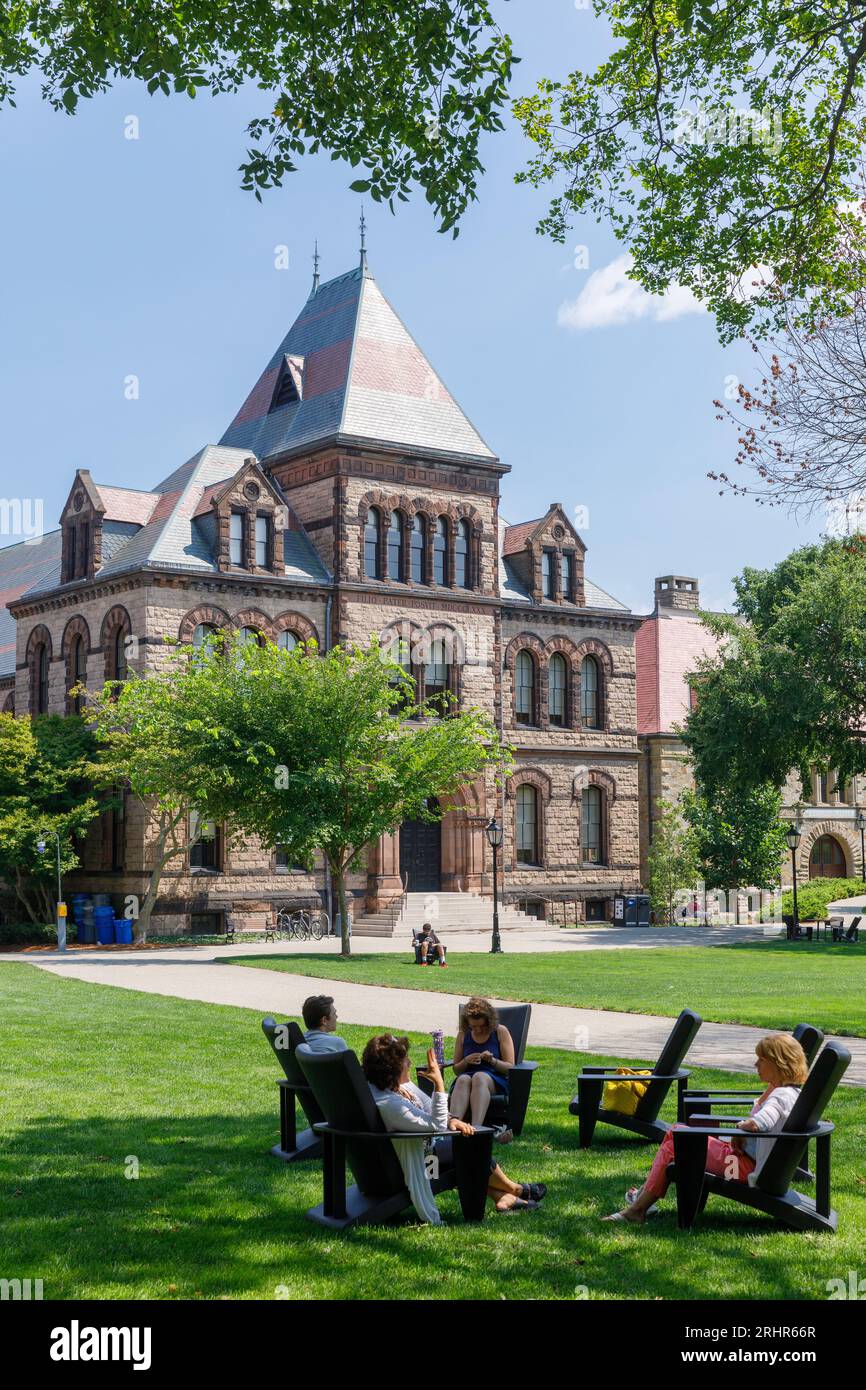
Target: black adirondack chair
(285, 1038)
(352, 1132)
(507, 1110)
(850, 933)
(587, 1104)
(772, 1192)
(810, 1039)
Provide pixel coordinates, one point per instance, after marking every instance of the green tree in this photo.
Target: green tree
(44, 789)
(739, 837)
(672, 860)
(314, 754)
(403, 90)
(787, 687)
(718, 136)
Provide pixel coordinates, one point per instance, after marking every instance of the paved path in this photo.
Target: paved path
(195, 973)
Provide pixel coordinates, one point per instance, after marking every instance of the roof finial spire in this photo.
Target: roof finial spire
(315, 265)
(363, 240)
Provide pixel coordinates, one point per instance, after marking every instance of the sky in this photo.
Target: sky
(143, 257)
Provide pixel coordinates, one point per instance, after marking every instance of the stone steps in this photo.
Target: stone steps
(449, 913)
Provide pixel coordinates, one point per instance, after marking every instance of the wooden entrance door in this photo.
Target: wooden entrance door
(421, 856)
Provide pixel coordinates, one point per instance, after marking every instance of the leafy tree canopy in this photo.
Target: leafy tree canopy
(719, 138)
(403, 90)
(44, 790)
(787, 688)
(739, 836)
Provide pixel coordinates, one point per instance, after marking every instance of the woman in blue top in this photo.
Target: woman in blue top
(483, 1057)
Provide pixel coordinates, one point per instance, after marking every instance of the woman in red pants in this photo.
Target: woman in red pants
(781, 1065)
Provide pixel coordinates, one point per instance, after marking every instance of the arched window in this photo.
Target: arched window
(418, 549)
(557, 689)
(395, 547)
(524, 688)
(462, 575)
(121, 670)
(401, 652)
(526, 824)
(440, 550)
(77, 671)
(204, 635)
(371, 544)
(591, 826)
(827, 859)
(287, 640)
(249, 637)
(437, 674)
(590, 705)
(40, 675)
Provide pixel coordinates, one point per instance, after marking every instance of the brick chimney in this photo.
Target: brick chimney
(677, 591)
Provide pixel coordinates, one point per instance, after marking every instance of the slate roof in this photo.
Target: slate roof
(21, 567)
(364, 380)
(175, 531)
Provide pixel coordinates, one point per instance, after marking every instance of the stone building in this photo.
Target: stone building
(668, 644)
(350, 495)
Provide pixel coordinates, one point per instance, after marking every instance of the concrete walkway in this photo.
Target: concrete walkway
(195, 973)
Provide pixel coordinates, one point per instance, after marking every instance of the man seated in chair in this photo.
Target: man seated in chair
(320, 1021)
(428, 941)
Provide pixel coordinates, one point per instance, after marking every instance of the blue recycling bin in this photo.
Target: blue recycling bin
(104, 920)
(123, 931)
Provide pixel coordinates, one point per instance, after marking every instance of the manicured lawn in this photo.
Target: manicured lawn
(769, 984)
(95, 1076)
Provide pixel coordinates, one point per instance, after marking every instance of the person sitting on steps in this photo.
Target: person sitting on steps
(426, 939)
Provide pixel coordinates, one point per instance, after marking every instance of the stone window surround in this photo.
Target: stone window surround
(288, 620)
(417, 635)
(556, 550)
(116, 620)
(39, 637)
(606, 784)
(76, 627)
(534, 776)
(408, 508)
(268, 503)
(574, 653)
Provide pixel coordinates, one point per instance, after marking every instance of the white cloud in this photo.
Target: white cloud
(609, 298)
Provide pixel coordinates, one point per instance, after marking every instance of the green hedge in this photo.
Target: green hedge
(813, 897)
(26, 934)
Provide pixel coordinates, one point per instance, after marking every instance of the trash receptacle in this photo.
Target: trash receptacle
(104, 920)
(123, 931)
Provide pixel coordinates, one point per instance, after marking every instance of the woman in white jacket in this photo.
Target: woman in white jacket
(781, 1065)
(404, 1106)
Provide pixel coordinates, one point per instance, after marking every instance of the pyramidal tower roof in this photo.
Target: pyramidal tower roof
(357, 377)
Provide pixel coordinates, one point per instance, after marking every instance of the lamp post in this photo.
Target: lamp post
(42, 845)
(861, 826)
(494, 839)
(792, 835)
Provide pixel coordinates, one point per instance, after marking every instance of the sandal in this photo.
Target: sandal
(533, 1191)
(517, 1205)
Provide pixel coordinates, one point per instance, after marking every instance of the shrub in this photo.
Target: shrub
(27, 934)
(813, 896)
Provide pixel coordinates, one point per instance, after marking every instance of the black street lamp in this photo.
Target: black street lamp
(861, 826)
(792, 835)
(494, 839)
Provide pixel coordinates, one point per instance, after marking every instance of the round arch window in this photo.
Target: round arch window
(287, 640)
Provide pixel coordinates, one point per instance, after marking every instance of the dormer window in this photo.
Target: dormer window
(547, 574)
(264, 548)
(566, 576)
(286, 390)
(236, 538)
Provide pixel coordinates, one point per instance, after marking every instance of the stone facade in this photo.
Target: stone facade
(468, 604)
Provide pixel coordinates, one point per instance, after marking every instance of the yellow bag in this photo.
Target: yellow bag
(623, 1096)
